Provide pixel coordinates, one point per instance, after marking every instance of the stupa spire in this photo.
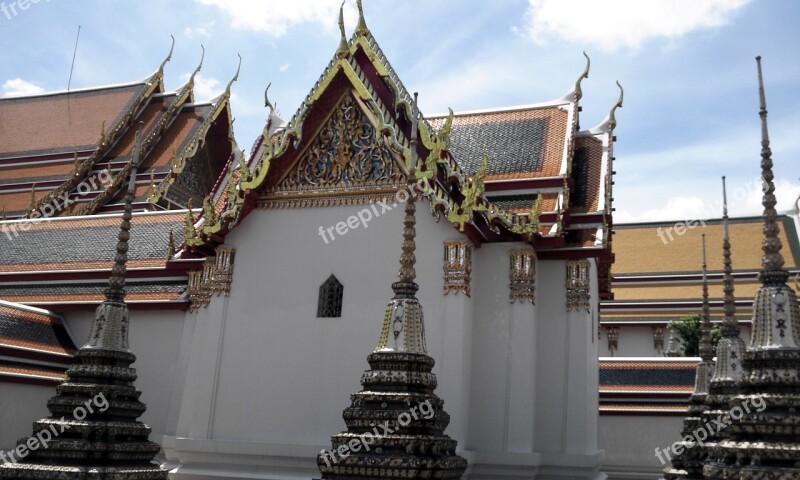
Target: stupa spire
(398, 390)
(116, 283)
(763, 440)
(772, 260)
(688, 465)
(706, 352)
(730, 327)
(403, 326)
(95, 409)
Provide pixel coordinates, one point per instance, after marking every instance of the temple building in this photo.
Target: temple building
(255, 280)
(92, 430)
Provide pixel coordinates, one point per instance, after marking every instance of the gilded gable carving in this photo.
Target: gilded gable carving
(347, 156)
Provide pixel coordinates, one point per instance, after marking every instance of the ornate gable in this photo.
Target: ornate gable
(348, 161)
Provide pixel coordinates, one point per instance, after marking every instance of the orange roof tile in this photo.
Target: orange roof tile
(43, 123)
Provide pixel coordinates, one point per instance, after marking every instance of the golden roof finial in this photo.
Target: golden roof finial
(585, 74)
(152, 182)
(189, 231)
(170, 245)
(343, 49)
(361, 26)
(190, 83)
(76, 165)
(3, 213)
(612, 120)
(169, 56)
(32, 204)
(267, 103)
(209, 215)
(235, 77)
(102, 133)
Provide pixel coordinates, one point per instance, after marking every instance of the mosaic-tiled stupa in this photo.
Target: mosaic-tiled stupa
(730, 349)
(92, 431)
(395, 425)
(688, 465)
(765, 430)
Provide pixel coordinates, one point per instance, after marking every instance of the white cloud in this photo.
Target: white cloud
(613, 24)
(276, 16)
(744, 199)
(284, 67)
(202, 30)
(17, 86)
(207, 88)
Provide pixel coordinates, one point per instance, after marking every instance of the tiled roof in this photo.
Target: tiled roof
(670, 250)
(34, 330)
(647, 374)
(646, 387)
(187, 122)
(523, 203)
(523, 143)
(12, 371)
(47, 124)
(86, 242)
(91, 291)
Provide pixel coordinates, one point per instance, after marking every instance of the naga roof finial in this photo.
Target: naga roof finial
(612, 120)
(235, 76)
(33, 202)
(772, 261)
(361, 26)
(343, 49)
(267, 103)
(585, 74)
(169, 56)
(190, 84)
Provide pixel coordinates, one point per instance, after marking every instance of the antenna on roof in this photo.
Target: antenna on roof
(71, 68)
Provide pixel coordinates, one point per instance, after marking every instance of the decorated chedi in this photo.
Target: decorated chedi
(395, 425)
(730, 348)
(765, 416)
(688, 464)
(92, 431)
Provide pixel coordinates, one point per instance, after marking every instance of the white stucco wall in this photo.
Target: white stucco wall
(284, 375)
(20, 406)
(637, 341)
(266, 375)
(630, 442)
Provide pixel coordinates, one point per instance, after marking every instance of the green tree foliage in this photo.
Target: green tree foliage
(689, 328)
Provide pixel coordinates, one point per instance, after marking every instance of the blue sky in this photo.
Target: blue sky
(690, 110)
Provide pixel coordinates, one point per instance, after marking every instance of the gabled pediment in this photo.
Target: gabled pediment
(347, 160)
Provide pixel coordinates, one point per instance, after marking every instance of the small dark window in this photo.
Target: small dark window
(330, 298)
